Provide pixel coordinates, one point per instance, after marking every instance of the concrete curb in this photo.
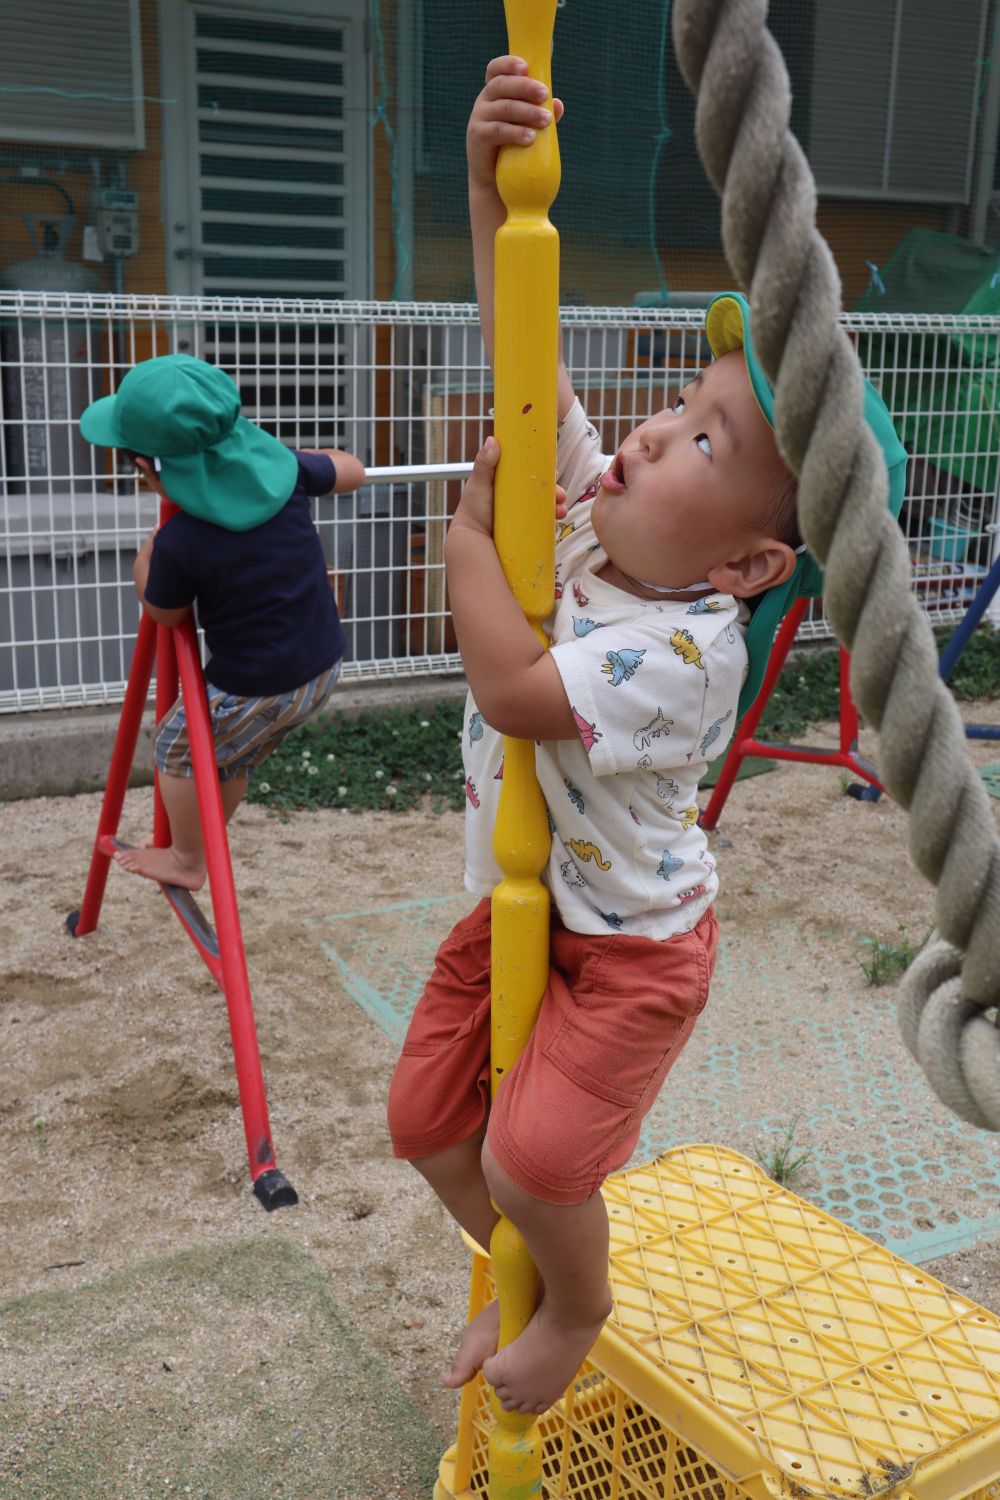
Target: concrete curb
(60, 752)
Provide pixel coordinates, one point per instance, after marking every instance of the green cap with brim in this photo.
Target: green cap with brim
(727, 326)
(213, 463)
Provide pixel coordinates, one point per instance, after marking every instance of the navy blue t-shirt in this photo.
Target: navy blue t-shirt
(262, 596)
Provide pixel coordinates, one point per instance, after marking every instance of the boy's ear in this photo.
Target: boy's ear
(756, 571)
(150, 477)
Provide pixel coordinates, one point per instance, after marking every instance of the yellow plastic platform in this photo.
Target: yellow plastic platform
(758, 1347)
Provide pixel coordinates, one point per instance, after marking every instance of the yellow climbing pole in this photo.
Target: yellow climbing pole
(526, 281)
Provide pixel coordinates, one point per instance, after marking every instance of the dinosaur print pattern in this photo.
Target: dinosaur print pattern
(686, 647)
(654, 730)
(621, 666)
(713, 731)
(667, 789)
(669, 865)
(575, 795)
(627, 854)
(586, 851)
(589, 733)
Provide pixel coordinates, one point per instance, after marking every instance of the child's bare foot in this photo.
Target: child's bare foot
(478, 1342)
(533, 1372)
(164, 865)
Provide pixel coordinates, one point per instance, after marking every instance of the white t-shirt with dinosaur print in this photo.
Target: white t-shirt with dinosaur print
(653, 685)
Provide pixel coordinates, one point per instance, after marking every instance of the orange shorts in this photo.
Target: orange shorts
(615, 1015)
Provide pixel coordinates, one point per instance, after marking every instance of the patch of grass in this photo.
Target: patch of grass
(887, 959)
(780, 1162)
(808, 690)
(977, 671)
(392, 760)
(402, 759)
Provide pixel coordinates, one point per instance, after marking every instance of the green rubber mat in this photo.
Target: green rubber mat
(991, 779)
(225, 1374)
(751, 765)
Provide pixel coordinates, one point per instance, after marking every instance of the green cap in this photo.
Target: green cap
(185, 413)
(727, 326)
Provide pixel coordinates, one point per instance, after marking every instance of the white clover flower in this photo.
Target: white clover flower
(392, 791)
(379, 775)
(425, 723)
(331, 758)
(395, 734)
(264, 786)
(313, 770)
(307, 755)
(341, 791)
(456, 776)
(428, 776)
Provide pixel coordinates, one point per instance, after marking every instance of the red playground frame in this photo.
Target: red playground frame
(176, 653)
(746, 744)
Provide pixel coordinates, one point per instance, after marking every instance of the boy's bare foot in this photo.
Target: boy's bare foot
(163, 865)
(533, 1372)
(478, 1342)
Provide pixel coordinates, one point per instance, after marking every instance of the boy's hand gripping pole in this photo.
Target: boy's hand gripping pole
(526, 320)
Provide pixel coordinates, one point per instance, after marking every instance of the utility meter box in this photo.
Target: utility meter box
(116, 219)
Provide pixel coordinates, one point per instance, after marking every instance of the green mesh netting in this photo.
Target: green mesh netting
(316, 147)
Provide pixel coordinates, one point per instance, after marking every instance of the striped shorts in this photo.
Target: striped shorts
(246, 730)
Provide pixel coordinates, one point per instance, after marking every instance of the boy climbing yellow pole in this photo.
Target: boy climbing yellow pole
(526, 303)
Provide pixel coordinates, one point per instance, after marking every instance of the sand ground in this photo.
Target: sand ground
(121, 1122)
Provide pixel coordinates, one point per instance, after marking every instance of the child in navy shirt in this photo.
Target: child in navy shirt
(243, 550)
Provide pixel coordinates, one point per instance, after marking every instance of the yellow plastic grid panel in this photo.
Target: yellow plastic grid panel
(759, 1347)
(599, 1444)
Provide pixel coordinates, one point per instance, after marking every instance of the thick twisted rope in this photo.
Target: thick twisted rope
(769, 231)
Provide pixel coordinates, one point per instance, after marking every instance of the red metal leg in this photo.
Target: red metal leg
(745, 744)
(236, 981)
(83, 921)
(743, 740)
(222, 949)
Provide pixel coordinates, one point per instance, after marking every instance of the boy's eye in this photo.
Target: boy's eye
(704, 443)
(678, 405)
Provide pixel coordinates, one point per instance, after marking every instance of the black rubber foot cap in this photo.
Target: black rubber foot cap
(71, 922)
(863, 791)
(274, 1190)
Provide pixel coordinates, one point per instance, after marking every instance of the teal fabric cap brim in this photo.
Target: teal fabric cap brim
(239, 483)
(99, 424)
(727, 327)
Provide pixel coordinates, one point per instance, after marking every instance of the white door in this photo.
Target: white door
(267, 158)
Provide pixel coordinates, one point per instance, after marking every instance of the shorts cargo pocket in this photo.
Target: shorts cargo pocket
(634, 1007)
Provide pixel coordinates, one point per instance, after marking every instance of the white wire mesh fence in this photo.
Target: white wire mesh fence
(405, 386)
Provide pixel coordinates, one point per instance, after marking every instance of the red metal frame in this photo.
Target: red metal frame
(745, 744)
(176, 652)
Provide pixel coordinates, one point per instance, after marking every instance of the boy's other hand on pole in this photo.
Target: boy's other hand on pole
(509, 111)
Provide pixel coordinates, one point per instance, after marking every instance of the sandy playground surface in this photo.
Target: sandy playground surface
(123, 1137)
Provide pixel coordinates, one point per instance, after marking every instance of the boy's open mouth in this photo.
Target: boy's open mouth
(614, 478)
